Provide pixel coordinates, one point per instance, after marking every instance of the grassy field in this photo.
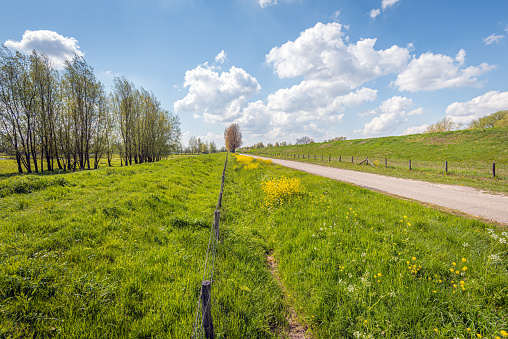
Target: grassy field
(358, 264)
(119, 253)
(470, 155)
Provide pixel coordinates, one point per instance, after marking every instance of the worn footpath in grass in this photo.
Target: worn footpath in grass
(119, 253)
(358, 264)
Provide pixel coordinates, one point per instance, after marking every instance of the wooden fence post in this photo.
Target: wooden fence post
(386, 163)
(352, 159)
(410, 164)
(314, 157)
(494, 170)
(219, 205)
(206, 306)
(321, 157)
(446, 167)
(216, 224)
(340, 158)
(329, 158)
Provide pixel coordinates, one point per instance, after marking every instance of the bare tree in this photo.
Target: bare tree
(443, 125)
(233, 137)
(304, 140)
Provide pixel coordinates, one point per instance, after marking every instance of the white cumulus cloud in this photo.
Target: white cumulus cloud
(388, 3)
(392, 113)
(431, 72)
(57, 47)
(266, 3)
(220, 97)
(384, 5)
(221, 57)
(334, 72)
(493, 38)
(321, 53)
(490, 102)
(415, 129)
(374, 13)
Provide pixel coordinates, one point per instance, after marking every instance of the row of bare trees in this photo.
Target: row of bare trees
(65, 119)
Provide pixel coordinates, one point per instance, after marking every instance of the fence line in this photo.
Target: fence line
(481, 170)
(203, 322)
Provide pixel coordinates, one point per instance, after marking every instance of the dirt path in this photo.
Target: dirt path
(295, 330)
(464, 199)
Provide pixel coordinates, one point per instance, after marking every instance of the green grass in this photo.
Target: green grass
(346, 256)
(119, 253)
(470, 154)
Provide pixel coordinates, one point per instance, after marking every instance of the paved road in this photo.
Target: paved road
(465, 199)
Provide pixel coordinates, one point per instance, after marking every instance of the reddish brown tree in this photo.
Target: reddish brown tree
(233, 137)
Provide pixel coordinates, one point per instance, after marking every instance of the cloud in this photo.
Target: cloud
(415, 129)
(333, 73)
(221, 57)
(219, 97)
(490, 102)
(266, 3)
(374, 13)
(431, 72)
(392, 113)
(384, 5)
(57, 47)
(388, 3)
(493, 38)
(320, 53)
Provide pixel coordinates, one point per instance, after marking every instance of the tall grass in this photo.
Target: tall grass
(358, 264)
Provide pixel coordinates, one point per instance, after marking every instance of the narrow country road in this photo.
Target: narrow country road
(464, 199)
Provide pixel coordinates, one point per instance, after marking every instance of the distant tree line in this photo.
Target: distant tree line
(498, 119)
(65, 119)
(196, 145)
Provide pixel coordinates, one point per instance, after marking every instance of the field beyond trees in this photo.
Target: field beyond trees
(119, 253)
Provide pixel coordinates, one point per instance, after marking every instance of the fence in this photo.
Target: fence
(203, 322)
(478, 170)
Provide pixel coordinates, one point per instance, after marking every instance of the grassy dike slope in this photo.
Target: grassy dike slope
(119, 253)
(359, 264)
(470, 154)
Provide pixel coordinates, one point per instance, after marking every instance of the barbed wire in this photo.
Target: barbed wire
(209, 266)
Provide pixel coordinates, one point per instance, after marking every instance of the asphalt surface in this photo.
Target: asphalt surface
(464, 199)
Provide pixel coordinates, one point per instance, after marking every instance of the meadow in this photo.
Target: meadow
(119, 253)
(469, 153)
(358, 264)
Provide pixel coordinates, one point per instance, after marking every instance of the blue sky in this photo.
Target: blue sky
(283, 69)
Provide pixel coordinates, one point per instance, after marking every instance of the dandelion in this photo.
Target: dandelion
(468, 329)
(464, 268)
(504, 334)
(478, 335)
(464, 259)
(454, 264)
(414, 258)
